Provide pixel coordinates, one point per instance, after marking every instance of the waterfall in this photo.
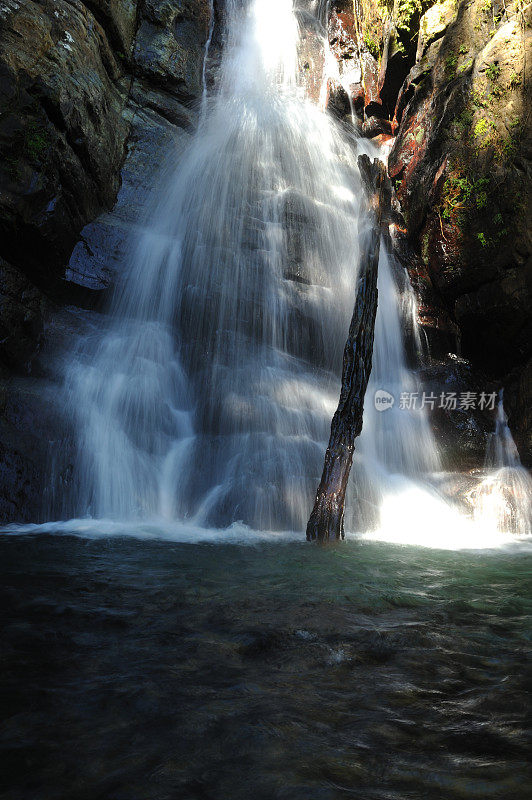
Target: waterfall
(503, 499)
(209, 395)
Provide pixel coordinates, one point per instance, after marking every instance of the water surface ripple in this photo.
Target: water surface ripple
(145, 670)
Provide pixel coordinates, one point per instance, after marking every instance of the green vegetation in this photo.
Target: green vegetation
(450, 64)
(465, 203)
(466, 66)
(461, 193)
(35, 141)
(408, 10)
(481, 128)
(478, 100)
(493, 72)
(465, 119)
(372, 45)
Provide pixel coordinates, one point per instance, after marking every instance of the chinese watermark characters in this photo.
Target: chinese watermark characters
(447, 401)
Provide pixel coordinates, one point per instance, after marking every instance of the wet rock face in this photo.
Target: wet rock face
(519, 408)
(21, 319)
(61, 133)
(92, 96)
(462, 164)
(169, 45)
(71, 110)
(356, 90)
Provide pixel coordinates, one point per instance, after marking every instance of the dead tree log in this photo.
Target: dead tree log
(327, 519)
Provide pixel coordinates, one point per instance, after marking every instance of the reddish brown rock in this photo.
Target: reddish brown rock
(461, 163)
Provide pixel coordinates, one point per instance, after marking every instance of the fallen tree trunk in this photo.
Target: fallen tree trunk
(327, 519)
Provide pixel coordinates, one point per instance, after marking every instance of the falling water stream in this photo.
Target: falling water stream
(210, 397)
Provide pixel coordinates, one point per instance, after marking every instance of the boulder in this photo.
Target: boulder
(433, 24)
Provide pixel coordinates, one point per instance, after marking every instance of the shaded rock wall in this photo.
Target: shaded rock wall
(92, 97)
(75, 80)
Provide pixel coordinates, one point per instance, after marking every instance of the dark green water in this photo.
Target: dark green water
(152, 671)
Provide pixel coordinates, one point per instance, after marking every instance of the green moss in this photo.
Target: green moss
(493, 72)
(35, 142)
(481, 128)
(466, 66)
(372, 45)
(466, 118)
(478, 100)
(495, 93)
(481, 196)
(515, 81)
(450, 64)
(482, 239)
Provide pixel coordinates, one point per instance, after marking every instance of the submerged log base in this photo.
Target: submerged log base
(326, 522)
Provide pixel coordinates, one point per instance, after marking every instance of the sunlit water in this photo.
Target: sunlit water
(503, 500)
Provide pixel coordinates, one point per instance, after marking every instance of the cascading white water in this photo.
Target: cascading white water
(504, 497)
(210, 395)
(247, 269)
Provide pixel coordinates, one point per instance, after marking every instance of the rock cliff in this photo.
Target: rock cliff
(92, 95)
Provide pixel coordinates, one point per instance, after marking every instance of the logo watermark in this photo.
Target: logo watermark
(383, 400)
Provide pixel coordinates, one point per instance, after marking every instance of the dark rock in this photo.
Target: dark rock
(62, 136)
(119, 20)
(461, 434)
(31, 430)
(70, 113)
(169, 45)
(100, 254)
(517, 394)
(462, 164)
(21, 321)
(501, 310)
